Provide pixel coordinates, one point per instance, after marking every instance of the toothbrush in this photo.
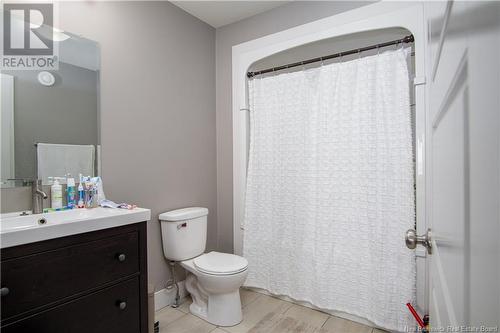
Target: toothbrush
(81, 192)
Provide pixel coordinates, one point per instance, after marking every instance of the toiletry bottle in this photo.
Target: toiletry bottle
(97, 181)
(56, 193)
(81, 193)
(90, 194)
(70, 191)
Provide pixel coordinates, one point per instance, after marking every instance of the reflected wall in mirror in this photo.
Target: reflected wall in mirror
(50, 120)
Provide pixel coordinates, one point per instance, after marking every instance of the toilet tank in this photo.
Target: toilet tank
(184, 233)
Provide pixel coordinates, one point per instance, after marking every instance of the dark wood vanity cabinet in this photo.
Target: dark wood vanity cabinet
(92, 282)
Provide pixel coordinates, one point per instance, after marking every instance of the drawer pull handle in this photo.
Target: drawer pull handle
(122, 305)
(4, 291)
(121, 257)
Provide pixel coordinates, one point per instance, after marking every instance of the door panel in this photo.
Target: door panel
(464, 125)
(437, 16)
(450, 176)
(483, 24)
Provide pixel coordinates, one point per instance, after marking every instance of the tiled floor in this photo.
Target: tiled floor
(261, 314)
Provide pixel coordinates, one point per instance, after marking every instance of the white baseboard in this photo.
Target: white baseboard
(166, 297)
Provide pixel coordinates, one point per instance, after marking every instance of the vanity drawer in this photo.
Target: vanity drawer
(114, 309)
(39, 279)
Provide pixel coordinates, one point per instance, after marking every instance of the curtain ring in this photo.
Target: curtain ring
(321, 59)
(359, 54)
(378, 49)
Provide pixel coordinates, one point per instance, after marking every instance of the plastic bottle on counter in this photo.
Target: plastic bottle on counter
(70, 191)
(56, 193)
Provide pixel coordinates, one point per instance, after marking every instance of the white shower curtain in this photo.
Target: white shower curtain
(330, 188)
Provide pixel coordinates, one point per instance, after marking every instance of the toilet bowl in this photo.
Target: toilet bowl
(213, 278)
(214, 287)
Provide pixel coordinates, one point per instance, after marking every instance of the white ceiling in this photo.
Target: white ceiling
(220, 13)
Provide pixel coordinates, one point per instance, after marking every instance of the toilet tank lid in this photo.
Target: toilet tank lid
(184, 214)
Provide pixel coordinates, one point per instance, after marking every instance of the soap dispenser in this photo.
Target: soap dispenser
(56, 193)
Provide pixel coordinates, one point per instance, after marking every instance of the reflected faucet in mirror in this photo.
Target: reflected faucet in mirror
(37, 195)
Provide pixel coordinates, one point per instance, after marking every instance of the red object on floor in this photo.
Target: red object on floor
(415, 314)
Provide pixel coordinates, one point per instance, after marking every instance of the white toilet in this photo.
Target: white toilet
(213, 278)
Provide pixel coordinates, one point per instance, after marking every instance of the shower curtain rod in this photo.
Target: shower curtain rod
(407, 39)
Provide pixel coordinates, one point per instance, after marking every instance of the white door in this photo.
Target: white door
(463, 81)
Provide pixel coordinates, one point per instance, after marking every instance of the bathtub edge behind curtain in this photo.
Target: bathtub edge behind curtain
(330, 188)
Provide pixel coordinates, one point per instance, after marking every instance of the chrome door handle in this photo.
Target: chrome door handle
(412, 240)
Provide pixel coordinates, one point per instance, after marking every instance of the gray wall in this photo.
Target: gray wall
(278, 19)
(18, 199)
(157, 109)
(15, 199)
(63, 113)
(163, 95)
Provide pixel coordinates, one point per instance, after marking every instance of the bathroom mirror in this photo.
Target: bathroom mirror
(50, 119)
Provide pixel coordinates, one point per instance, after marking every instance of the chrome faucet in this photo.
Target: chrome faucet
(37, 196)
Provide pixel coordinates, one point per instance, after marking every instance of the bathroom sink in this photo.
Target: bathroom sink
(17, 230)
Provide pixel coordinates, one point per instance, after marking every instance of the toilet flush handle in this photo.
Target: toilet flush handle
(182, 225)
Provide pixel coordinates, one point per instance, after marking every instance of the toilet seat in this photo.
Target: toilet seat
(216, 263)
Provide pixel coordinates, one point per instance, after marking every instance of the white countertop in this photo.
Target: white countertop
(18, 230)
